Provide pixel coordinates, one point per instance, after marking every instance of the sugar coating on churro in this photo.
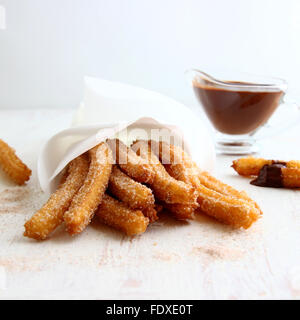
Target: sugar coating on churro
(12, 165)
(229, 210)
(215, 198)
(214, 184)
(150, 213)
(177, 162)
(50, 216)
(173, 182)
(165, 187)
(291, 177)
(89, 196)
(250, 166)
(117, 215)
(133, 165)
(131, 192)
(180, 211)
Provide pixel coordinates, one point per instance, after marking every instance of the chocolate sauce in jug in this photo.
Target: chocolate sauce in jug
(237, 112)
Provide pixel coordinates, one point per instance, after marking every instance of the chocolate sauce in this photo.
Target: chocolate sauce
(237, 112)
(270, 175)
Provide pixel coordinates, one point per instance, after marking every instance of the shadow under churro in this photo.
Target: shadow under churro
(107, 230)
(167, 219)
(202, 218)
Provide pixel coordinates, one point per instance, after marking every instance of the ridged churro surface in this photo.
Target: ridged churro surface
(89, 196)
(50, 216)
(271, 173)
(291, 177)
(250, 166)
(151, 213)
(229, 210)
(165, 187)
(180, 211)
(177, 162)
(119, 216)
(12, 165)
(214, 184)
(133, 165)
(134, 194)
(215, 198)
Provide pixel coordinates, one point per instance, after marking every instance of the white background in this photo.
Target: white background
(49, 45)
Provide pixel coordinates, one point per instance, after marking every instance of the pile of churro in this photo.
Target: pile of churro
(128, 188)
(269, 173)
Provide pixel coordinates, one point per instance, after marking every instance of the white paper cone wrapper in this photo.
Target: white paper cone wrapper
(112, 109)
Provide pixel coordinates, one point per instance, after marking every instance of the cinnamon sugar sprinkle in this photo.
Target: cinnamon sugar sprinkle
(20, 200)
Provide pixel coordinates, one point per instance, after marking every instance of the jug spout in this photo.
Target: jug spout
(236, 81)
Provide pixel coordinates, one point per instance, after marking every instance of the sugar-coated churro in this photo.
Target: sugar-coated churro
(134, 194)
(158, 207)
(290, 177)
(50, 216)
(180, 211)
(151, 213)
(214, 184)
(179, 164)
(229, 210)
(12, 165)
(147, 178)
(133, 165)
(89, 196)
(119, 216)
(216, 198)
(165, 187)
(249, 166)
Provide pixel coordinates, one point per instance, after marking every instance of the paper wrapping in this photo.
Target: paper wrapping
(111, 109)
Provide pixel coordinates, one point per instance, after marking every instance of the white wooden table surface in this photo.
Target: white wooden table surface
(201, 259)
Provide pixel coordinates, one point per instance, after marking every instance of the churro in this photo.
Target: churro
(165, 187)
(151, 213)
(214, 184)
(119, 216)
(229, 210)
(134, 194)
(129, 162)
(216, 199)
(179, 164)
(50, 216)
(147, 178)
(180, 211)
(251, 166)
(89, 196)
(12, 165)
(269, 173)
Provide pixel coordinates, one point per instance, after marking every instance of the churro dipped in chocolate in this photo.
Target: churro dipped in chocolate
(269, 173)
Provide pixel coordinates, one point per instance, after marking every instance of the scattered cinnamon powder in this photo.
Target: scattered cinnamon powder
(20, 200)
